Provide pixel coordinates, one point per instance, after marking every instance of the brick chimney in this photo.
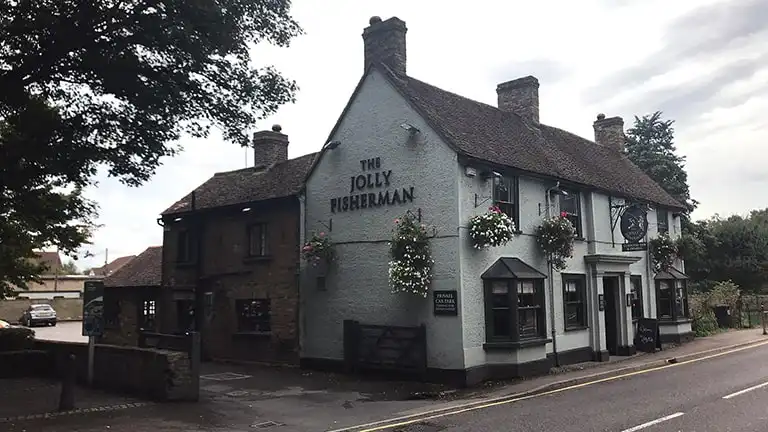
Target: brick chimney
(384, 42)
(609, 132)
(269, 147)
(520, 96)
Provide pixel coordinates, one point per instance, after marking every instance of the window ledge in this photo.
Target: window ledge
(257, 258)
(576, 329)
(185, 264)
(510, 345)
(253, 334)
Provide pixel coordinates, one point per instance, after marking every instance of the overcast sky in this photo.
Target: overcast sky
(703, 62)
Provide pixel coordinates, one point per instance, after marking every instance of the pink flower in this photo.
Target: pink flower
(397, 221)
(322, 234)
(563, 214)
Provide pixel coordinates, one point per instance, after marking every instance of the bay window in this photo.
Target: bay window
(672, 295)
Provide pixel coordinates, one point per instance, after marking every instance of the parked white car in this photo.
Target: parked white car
(38, 314)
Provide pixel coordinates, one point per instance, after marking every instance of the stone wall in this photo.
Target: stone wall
(159, 375)
(67, 309)
(229, 274)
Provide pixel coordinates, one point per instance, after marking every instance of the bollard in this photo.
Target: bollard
(67, 398)
(762, 318)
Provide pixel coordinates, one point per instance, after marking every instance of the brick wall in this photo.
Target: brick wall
(151, 373)
(230, 274)
(67, 309)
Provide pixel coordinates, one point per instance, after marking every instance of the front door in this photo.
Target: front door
(611, 294)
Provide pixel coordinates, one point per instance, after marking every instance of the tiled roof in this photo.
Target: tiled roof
(487, 133)
(51, 260)
(142, 271)
(112, 266)
(248, 185)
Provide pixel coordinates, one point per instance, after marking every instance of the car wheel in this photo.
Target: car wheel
(53, 324)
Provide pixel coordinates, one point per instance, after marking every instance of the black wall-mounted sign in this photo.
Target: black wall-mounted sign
(362, 196)
(601, 302)
(647, 337)
(445, 302)
(634, 227)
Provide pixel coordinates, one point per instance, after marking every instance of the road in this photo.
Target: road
(724, 393)
(67, 331)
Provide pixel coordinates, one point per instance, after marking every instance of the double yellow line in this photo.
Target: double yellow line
(460, 409)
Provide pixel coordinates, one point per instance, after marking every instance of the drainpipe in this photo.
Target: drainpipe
(550, 273)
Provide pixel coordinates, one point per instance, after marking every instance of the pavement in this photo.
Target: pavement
(67, 331)
(591, 396)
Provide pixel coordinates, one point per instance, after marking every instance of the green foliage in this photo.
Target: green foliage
(651, 146)
(725, 293)
(69, 268)
(115, 84)
(555, 238)
(410, 269)
(735, 249)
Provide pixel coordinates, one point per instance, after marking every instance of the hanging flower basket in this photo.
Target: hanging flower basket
(663, 251)
(491, 229)
(555, 237)
(318, 251)
(410, 267)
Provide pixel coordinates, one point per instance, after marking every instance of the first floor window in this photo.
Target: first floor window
(147, 316)
(575, 301)
(570, 206)
(257, 240)
(662, 221)
(505, 196)
(515, 310)
(253, 315)
(184, 246)
(636, 295)
(672, 299)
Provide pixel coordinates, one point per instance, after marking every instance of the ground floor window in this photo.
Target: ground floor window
(515, 310)
(575, 301)
(636, 296)
(253, 315)
(672, 299)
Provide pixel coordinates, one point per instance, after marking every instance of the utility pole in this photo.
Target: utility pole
(56, 271)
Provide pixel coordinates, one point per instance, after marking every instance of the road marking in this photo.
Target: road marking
(473, 406)
(746, 390)
(655, 422)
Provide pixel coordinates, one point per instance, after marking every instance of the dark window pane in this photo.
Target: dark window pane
(528, 323)
(526, 294)
(253, 315)
(574, 315)
(636, 291)
(257, 240)
(502, 190)
(502, 322)
(572, 291)
(662, 220)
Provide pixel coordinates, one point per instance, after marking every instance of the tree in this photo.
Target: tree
(69, 268)
(114, 84)
(735, 248)
(651, 146)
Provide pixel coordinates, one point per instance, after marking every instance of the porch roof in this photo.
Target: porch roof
(511, 268)
(671, 274)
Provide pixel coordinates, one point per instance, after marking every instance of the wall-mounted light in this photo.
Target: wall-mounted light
(410, 128)
(246, 209)
(178, 219)
(470, 171)
(330, 145)
(491, 175)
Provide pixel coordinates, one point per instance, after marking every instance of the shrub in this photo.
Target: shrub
(704, 321)
(16, 338)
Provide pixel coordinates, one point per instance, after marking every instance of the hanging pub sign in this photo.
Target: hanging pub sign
(634, 227)
(371, 188)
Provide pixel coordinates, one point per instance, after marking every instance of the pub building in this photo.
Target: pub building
(402, 146)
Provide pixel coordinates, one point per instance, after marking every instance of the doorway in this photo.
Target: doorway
(611, 295)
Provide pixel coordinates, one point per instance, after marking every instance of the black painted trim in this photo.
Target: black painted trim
(601, 356)
(626, 350)
(677, 338)
(512, 345)
(578, 355)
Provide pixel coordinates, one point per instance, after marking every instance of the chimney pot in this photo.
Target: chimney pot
(609, 132)
(384, 42)
(520, 96)
(270, 147)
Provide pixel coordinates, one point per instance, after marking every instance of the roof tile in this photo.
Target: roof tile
(142, 271)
